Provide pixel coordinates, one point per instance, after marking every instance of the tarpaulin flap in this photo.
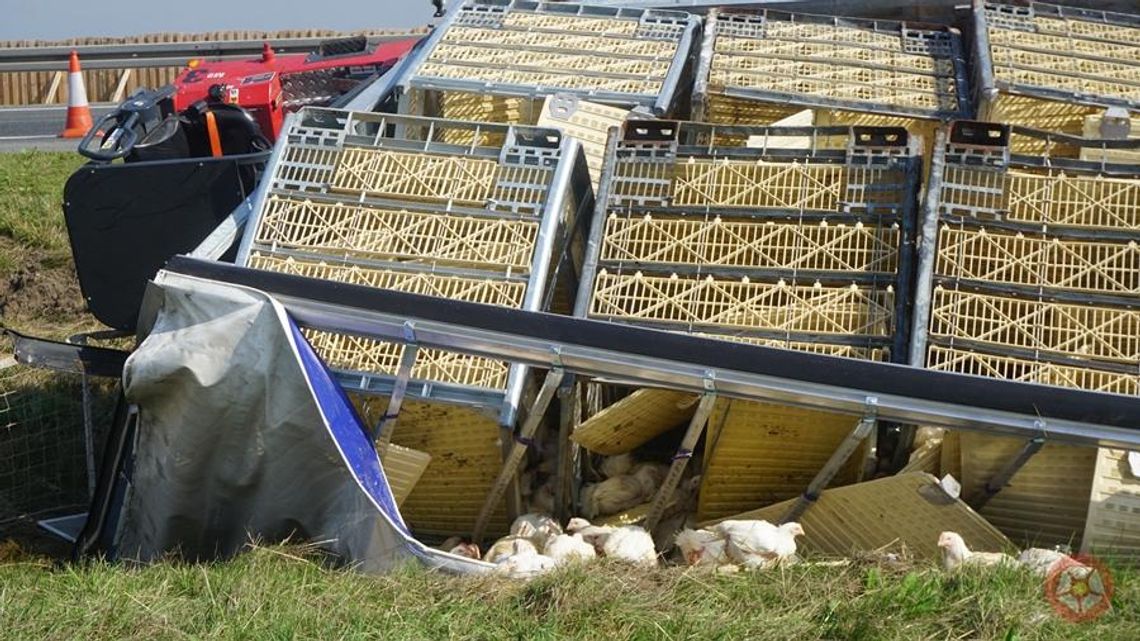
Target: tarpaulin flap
(245, 435)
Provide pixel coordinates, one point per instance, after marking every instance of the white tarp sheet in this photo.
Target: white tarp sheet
(244, 435)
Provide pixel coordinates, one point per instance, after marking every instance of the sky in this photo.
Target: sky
(58, 19)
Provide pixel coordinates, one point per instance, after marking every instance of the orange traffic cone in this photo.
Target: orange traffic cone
(79, 120)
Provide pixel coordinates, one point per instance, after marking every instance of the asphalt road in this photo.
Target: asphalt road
(38, 127)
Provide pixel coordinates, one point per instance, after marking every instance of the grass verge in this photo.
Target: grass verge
(288, 593)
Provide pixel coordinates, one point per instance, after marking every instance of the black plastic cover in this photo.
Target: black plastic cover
(126, 220)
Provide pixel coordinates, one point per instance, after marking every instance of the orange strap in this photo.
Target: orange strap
(212, 131)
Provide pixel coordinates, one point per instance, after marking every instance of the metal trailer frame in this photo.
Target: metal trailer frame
(923, 39)
(647, 357)
(985, 148)
(302, 170)
(628, 190)
(989, 90)
(679, 27)
(637, 356)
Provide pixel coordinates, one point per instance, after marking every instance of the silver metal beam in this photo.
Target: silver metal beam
(518, 450)
(681, 459)
(1006, 474)
(571, 347)
(570, 410)
(387, 422)
(656, 372)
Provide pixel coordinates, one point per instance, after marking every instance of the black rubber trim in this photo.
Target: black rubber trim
(66, 357)
(881, 378)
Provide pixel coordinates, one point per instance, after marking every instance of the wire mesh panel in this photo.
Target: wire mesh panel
(706, 229)
(496, 60)
(43, 450)
(758, 68)
(1032, 262)
(1056, 68)
(394, 202)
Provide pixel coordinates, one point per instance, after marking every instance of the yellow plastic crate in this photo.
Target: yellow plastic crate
(907, 511)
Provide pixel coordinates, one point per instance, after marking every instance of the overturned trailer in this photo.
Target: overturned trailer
(361, 375)
(276, 306)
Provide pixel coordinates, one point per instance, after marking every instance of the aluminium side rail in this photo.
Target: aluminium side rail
(650, 357)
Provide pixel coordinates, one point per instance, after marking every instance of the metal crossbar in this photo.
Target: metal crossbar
(645, 357)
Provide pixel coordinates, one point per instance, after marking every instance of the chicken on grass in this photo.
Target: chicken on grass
(595, 535)
(758, 544)
(568, 548)
(508, 545)
(536, 527)
(456, 545)
(524, 561)
(631, 544)
(955, 554)
(1042, 561)
(702, 548)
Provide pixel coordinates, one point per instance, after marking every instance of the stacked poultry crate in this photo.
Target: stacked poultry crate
(575, 67)
(800, 238)
(1056, 68)
(765, 67)
(1030, 270)
(382, 200)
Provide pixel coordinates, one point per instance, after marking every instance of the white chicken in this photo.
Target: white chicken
(524, 561)
(650, 476)
(631, 544)
(595, 535)
(617, 465)
(611, 496)
(536, 527)
(1041, 561)
(566, 548)
(955, 554)
(758, 544)
(506, 546)
(702, 548)
(458, 546)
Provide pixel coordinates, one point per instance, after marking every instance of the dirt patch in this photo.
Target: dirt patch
(33, 292)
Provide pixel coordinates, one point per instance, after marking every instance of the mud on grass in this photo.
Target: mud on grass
(39, 293)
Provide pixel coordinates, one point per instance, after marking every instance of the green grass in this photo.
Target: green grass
(30, 210)
(39, 293)
(287, 593)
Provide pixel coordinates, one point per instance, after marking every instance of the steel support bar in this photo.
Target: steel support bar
(680, 459)
(663, 359)
(570, 415)
(387, 422)
(522, 442)
(862, 430)
(1006, 474)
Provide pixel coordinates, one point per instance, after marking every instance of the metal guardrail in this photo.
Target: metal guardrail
(159, 54)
